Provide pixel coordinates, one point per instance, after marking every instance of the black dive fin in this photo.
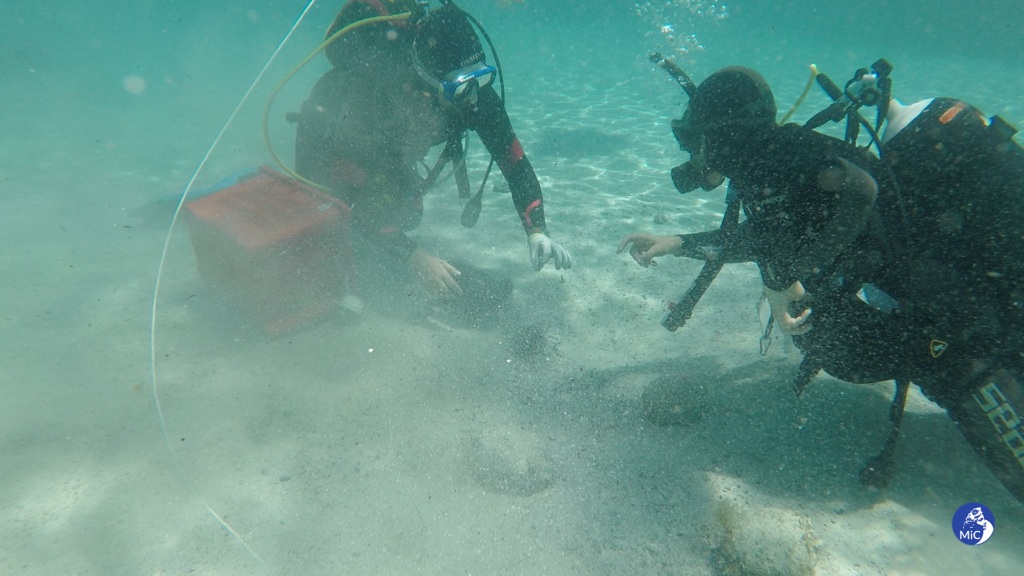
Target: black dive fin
(462, 180)
(879, 469)
(471, 213)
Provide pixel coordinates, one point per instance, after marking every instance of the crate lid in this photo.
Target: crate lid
(268, 209)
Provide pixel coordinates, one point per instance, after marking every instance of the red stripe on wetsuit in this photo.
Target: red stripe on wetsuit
(526, 213)
(512, 157)
(515, 153)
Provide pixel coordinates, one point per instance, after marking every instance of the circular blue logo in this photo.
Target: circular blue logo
(973, 524)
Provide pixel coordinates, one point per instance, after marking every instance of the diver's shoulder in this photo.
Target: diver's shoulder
(800, 133)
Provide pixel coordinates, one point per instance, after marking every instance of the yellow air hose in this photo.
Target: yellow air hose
(800, 100)
(270, 100)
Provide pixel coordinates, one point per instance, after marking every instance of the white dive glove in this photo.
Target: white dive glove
(543, 249)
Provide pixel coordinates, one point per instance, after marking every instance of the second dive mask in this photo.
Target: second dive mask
(688, 137)
(694, 173)
(458, 84)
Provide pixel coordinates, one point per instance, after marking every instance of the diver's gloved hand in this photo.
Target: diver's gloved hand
(782, 302)
(543, 249)
(646, 247)
(436, 275)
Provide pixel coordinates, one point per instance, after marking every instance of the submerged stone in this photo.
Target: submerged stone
(510, 461)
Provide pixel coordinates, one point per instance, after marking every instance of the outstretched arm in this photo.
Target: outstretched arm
(714, 245)
(491, 123)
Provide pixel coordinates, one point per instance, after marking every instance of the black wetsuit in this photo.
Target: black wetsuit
(946, 245)
(362, 131)
(775, 173)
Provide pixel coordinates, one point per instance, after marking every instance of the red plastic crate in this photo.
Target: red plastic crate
(275, 249)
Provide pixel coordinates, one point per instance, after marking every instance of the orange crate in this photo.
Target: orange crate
(275, 249)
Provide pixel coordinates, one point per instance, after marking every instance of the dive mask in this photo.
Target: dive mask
(689, 176)
(687, 135)
(695, 173)
(455, 85)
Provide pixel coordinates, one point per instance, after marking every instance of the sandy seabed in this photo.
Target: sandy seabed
(409, 443)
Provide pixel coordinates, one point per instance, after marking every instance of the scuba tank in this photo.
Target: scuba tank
(687, 178)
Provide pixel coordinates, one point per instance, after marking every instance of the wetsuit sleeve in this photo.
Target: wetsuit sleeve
(718, 246)
(374, 222)
(491, 123)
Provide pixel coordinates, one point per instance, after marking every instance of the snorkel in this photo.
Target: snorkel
(694, 172)
(687, 176)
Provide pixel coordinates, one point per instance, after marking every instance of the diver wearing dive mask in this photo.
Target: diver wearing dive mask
(396, 89)
(714, 109)
(446, 54)
(910, 261)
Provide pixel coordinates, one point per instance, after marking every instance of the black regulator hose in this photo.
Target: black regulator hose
(680, 311)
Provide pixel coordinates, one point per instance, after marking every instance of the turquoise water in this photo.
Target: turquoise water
(408, 442)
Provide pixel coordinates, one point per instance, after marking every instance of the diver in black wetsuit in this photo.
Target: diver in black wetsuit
(397, 89)
(914, 275)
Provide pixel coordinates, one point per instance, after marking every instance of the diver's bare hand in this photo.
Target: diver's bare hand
(780, 302)
(436, 275)
(646, 247)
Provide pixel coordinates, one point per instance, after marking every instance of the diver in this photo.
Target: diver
(905, 266)
(397, 89)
